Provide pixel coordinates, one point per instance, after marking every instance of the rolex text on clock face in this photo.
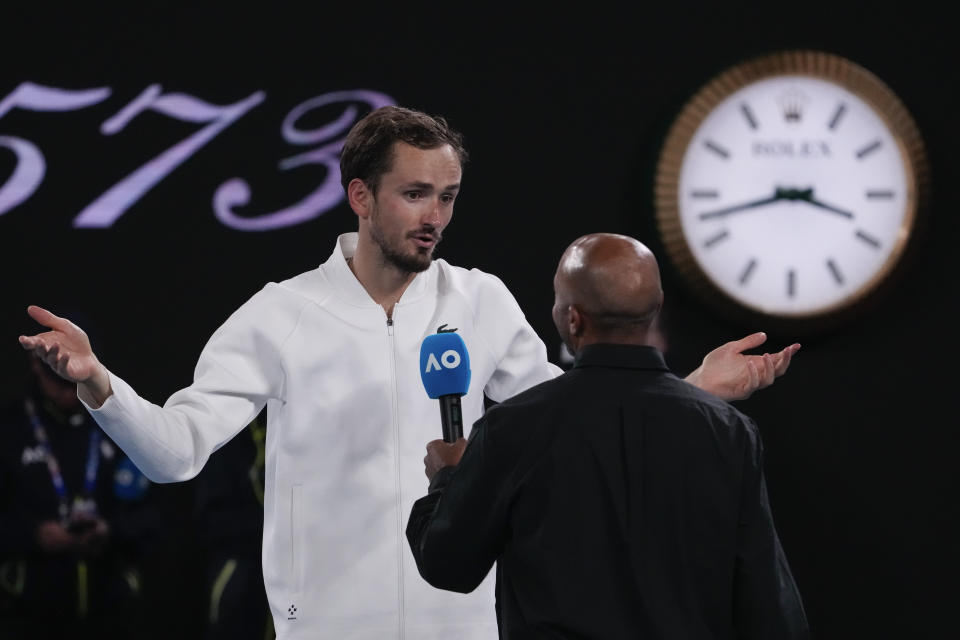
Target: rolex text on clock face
(794, 195)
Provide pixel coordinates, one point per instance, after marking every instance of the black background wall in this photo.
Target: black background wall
(563, 112)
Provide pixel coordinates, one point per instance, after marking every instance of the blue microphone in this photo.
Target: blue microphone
(445, 371)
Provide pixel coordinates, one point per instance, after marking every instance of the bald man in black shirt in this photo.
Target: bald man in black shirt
(618, 501)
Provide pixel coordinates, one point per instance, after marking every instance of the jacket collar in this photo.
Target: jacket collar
(621, 356)
(349, 288)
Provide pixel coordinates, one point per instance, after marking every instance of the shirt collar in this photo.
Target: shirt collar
(350, 289)
(621, 356)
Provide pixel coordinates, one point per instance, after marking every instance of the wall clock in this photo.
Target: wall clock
(789, 188)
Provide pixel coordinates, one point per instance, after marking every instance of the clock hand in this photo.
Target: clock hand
(740, 207)
(779, 194)
(808, 197)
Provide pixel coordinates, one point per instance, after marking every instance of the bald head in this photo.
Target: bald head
(607, 290)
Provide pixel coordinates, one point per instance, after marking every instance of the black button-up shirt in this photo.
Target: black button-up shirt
(618, 502)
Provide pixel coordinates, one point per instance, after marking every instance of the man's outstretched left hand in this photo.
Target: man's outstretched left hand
(730, 374)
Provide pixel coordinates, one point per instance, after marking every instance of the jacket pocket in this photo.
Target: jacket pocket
(296, 538)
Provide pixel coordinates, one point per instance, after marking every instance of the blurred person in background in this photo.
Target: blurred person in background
(228, 517)
(75, 519)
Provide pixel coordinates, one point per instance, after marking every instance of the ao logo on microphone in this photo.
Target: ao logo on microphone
(444, 364)
(449, 358)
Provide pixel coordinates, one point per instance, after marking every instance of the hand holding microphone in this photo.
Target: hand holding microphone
(445, 372)
(442, 454)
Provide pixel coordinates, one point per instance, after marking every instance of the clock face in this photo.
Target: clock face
(791, 193)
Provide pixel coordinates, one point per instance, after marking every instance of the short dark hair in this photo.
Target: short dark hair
(368, 150)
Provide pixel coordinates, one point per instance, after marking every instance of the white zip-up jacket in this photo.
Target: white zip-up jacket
(348, 422)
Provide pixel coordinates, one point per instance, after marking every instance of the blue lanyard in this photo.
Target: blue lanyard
(93, 459)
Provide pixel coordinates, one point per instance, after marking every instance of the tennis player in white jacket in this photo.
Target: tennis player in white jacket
(333, 354)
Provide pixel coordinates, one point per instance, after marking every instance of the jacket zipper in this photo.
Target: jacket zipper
(396, 460)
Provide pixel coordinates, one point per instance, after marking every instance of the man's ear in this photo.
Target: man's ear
(575, 321)
(360, 197)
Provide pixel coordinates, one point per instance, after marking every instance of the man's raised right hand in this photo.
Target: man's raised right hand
(66, 349)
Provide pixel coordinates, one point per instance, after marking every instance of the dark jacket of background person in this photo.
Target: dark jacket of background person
(67, 594)
(229, 525)
(619, 502)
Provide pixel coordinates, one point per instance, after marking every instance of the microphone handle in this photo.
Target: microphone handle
(451, 418)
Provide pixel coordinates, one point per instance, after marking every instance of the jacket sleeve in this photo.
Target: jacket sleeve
(767, 604)
(520, 354)
(457, 531)
(238, 371)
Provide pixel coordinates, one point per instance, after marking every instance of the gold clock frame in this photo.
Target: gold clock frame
(820, 65)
